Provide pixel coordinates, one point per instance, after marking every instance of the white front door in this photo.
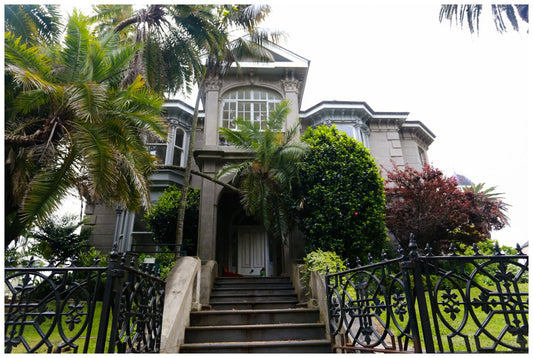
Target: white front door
(252, 248)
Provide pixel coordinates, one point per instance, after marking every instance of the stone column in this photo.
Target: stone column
(211, 109)
(207, 225)
(291, 89)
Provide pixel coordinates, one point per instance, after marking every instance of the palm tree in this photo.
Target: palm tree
(33, 23)
(219, 61)
(482, 194)
(500, 14)
(186, 45)
(69, 124)
(174, 38)
(266, 177)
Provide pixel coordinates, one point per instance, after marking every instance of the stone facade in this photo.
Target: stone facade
(223, 225)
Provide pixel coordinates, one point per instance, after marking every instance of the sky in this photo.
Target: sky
(471, 91)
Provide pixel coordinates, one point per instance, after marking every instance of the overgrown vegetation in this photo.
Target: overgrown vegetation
(340, 201)
(266, 179)
(320, 261)
(61, 238)
(161, 218)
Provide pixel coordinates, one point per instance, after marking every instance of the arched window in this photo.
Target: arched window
(248, 103)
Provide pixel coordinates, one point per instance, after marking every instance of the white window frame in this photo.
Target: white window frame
(171, 145)
(245, 103)
(358, 132)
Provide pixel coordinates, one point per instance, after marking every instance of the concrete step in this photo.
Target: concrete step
(255, 315)
(240, 305)
(252, 298)
(305, 346)
(242, 317)
(255, 291)
(252, 280)
(253, 286)
(258, 332)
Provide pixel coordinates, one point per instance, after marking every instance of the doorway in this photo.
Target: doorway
(252, 251)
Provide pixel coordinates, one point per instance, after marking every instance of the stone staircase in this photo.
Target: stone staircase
(255, 315)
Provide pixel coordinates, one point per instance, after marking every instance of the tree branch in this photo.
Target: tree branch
(203, 175)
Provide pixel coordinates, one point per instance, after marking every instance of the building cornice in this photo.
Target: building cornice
(418, 131)
(361, 108)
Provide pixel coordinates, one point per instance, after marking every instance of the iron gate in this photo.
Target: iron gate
(431, 303)
(54, 307)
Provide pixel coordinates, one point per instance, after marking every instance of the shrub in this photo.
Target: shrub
(161, 219)
(319, 261)
(340, 200)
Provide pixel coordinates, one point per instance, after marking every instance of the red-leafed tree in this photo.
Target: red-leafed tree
(434, 208)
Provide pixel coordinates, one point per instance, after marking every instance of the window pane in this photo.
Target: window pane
(176, 160)
(346, 129)
(179, 138)
(248, 104)
(159, 151)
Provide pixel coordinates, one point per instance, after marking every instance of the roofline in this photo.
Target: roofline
(178, 103)
(418, 124)
(351, 105)
(267, 43)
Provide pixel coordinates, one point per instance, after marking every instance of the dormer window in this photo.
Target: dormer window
(251, 104)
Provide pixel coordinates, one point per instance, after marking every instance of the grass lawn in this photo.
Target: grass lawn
(456, 331)
(32, 336)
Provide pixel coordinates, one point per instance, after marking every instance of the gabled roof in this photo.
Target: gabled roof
(283, 58)
(286, 64)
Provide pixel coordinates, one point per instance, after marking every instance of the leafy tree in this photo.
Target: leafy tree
(162, 216)
(267, 176)
(433, 208)
(69, 125)
(58, 239)
(340, 202)
(500, 15)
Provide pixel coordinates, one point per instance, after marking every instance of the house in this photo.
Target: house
(226, 235)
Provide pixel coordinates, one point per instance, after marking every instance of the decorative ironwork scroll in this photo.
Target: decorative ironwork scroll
(52, 309)
(136, 297)
(429, 303)
(54, 304)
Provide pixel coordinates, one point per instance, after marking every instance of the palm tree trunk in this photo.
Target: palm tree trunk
(187, 176)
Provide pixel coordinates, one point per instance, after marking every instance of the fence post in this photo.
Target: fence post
(405, 267)
(420, 296)
(107, 301)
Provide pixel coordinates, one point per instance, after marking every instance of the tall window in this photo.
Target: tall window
(251, 104)
(177, 155)
(168, 152)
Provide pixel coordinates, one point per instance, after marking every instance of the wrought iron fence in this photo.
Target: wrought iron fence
(431, 303)
(52, 309)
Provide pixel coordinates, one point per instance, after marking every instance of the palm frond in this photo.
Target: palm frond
(87, 100)
(76, 47)
(46, 189)
(34, 23)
